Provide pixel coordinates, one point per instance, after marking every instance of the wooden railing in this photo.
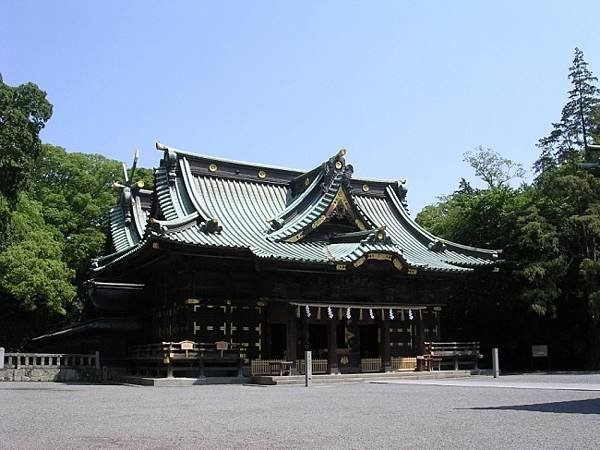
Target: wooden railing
(438, 354)
(263, 366)
(51, 360)
(370, 365)
(185, 350)
(318, 366)
(185, 356)
(404, 363)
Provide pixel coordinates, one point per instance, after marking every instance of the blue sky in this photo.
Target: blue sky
(407, 87)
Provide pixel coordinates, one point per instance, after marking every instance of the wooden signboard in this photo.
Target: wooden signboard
(221, 345)
(187, 345)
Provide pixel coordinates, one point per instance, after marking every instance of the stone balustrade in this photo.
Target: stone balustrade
(51, 360)
(49, 366)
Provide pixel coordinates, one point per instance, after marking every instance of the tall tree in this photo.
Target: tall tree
(24, 110)
(548, 291)
(493, 168)
(58, 224)
(578, 126)
(76, 194)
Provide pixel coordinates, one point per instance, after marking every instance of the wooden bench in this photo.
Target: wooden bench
(451, 354)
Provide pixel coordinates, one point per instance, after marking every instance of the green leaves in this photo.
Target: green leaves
(483, 218)
(549, 288)
(58, 225)
(24, 111)
(493, 168)
(32, 269)
(75, 190)
(578, 126)
(53, 215)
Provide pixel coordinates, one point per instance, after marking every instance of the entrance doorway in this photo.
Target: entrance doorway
(278, 340)
(318, 340)
(369, 342)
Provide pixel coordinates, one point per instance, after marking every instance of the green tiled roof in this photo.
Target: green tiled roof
(277, 214)
(128, 219)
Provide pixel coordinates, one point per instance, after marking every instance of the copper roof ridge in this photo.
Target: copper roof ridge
(298, 172)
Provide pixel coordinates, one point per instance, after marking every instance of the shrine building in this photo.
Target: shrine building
(273, 261)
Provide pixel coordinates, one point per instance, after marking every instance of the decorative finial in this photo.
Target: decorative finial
(211, 226)
(125, 174)
(127, 199)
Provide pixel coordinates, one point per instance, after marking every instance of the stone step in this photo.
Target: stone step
(180, 381)
(364, 377)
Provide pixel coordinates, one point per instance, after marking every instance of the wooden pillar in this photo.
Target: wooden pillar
(332, 345)
(228, 321)
(420, 333)
(268, 338)
(356, 342)
(385, 349)
(292, 340)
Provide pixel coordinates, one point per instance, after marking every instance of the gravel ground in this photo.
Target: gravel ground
(353, 415)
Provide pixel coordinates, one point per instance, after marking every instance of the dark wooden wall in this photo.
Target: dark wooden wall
(211, 299)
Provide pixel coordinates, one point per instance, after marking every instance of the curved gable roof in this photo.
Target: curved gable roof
(218, 203)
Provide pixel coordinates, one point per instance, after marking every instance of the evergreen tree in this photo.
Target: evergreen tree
(24, 110)
(578, 126)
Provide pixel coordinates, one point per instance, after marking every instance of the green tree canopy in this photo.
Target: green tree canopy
(493, 168)
(578, 126)
(24, 110)
(549, 287)
(32, 267)
(76, 192)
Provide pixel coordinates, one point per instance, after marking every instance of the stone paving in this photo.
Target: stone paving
(571, 382)
(527, 411)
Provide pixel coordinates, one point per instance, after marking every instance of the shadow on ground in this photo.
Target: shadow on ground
(587, 406)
